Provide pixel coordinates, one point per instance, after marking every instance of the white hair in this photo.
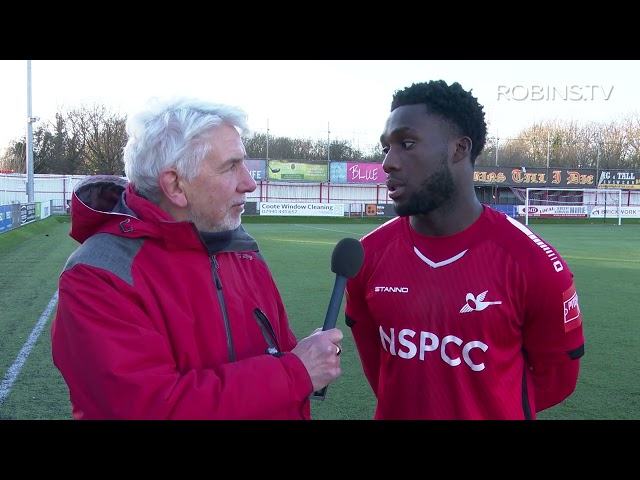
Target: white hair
(173, 133)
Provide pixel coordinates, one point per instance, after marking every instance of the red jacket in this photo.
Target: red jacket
(150, 315)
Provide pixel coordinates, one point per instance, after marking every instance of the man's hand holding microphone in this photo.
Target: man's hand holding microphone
(320, 351)
(320, 354)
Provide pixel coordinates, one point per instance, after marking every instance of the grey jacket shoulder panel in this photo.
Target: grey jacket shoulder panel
(108, 252)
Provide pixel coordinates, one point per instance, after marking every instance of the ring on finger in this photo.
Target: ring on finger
(338, 350)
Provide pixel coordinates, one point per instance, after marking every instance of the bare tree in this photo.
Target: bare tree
(488, 156)
(573, 145)
(630, 151)
(14, 158)
(90, 140)
(57, 151)
(102, 134)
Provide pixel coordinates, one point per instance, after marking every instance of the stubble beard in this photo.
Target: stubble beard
(204, 225)
(434, 191)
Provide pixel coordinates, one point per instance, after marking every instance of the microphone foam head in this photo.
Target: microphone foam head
(347, 257)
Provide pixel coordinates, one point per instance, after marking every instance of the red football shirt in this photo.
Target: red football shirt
(484, 324)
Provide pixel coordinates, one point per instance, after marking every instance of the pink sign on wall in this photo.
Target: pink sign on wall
(365, 173)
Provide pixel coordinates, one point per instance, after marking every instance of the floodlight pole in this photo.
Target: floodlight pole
(599, 145)
(548, 158)
(30, 121)
(328, 143)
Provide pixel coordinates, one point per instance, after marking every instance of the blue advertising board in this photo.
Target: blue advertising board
(5, 217)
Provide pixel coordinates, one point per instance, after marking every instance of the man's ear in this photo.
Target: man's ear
(171, 186)
(463, 149)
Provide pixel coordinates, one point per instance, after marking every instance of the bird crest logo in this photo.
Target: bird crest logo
(477, 304)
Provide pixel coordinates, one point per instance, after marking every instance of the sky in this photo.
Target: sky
(323, 99)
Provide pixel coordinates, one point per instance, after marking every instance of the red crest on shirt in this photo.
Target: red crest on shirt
(572, 317)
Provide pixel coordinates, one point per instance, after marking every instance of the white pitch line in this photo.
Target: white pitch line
(326, 229)
(14, 369)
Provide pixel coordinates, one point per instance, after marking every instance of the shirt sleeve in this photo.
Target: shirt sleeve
(363, 328)
(553, 334)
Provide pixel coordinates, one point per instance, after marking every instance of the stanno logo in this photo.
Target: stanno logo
(477, 304)
(392, 289)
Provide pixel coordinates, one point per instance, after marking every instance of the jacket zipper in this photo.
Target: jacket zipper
(273, 347)
(223, 306)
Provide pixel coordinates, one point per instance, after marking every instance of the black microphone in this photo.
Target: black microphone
(346, 260)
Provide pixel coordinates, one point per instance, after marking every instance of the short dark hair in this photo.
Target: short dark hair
(451, 102)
